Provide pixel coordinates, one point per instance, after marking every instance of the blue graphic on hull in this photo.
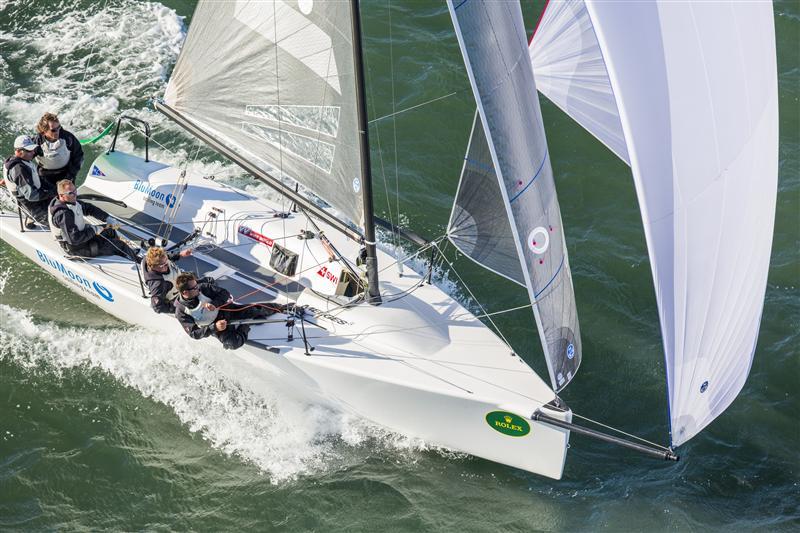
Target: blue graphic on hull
(155, 196)
(89, 286)
(104, 293)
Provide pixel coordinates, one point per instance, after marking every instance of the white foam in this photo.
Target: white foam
(282, 437)
(88, 65)
(5, 274)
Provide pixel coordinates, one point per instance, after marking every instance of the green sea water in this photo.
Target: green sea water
(108, 427)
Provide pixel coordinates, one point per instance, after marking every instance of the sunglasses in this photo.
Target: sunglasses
(191, 289)
(55, 130)
(70, 193)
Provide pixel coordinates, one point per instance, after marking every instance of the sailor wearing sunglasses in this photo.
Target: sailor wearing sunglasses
(62, 155)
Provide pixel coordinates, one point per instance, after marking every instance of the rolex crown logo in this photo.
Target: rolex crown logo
(507, 419)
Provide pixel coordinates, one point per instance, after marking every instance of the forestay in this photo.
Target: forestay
(694, 90)
(507, 174)
(274, 80)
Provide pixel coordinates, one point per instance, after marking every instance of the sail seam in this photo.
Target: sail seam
(560, 266)
(538, 173)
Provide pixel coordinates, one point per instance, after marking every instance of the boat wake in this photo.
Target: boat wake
(5, 274)
(111, 61)
(283, 438)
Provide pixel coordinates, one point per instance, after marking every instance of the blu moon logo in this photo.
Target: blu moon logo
(104, 293)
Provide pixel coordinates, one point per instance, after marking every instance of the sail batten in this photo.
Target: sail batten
(514, 179)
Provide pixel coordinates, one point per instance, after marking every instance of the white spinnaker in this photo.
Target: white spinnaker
(570, 71)
(695, 85)
(274, 80)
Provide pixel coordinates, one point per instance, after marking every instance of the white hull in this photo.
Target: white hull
(420, 365)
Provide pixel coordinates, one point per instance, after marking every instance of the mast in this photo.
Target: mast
(374, 295)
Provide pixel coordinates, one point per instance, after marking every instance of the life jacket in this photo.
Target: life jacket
(13, 162)
(171, 275)
(202, 316)
(77, 211)
(56, 154)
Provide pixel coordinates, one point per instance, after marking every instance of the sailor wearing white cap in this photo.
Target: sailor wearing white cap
(22, 180)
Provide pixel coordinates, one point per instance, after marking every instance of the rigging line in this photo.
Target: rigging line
(500, 312)
(228, 171)
(402, 294)
(419, 251)
(303, 248)
(394, 121)
(153, 140)
(383, 169)
(171, 211)
(229, 246)
(349, 305)
(453, 269)
(395, 113)
(85, 261)
(267, 286)
(612, 428)
(174, 153)
(278, 93)
(443, 251)
(222, 219)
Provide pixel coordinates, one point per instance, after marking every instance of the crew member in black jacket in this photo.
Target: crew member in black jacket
(204, 308)
(160, 272)
(75, 234)
(22, 180)
(62, 155)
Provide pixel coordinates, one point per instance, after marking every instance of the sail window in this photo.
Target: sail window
(314, 118)
(318, 153)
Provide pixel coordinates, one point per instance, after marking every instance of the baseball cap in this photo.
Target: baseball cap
(24, 142)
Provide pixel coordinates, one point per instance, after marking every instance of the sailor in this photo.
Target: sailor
(62, 155)
(23, 181)
(159, 272)
(203, 308)
(75, 234)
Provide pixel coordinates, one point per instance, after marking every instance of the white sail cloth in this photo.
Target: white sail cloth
(686, 93)
(507, 187)
(274, 80)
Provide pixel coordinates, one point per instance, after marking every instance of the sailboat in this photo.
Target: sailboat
(277, 87)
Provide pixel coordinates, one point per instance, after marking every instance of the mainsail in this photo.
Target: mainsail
(686, 93)
(275, 81)
(506, 215)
